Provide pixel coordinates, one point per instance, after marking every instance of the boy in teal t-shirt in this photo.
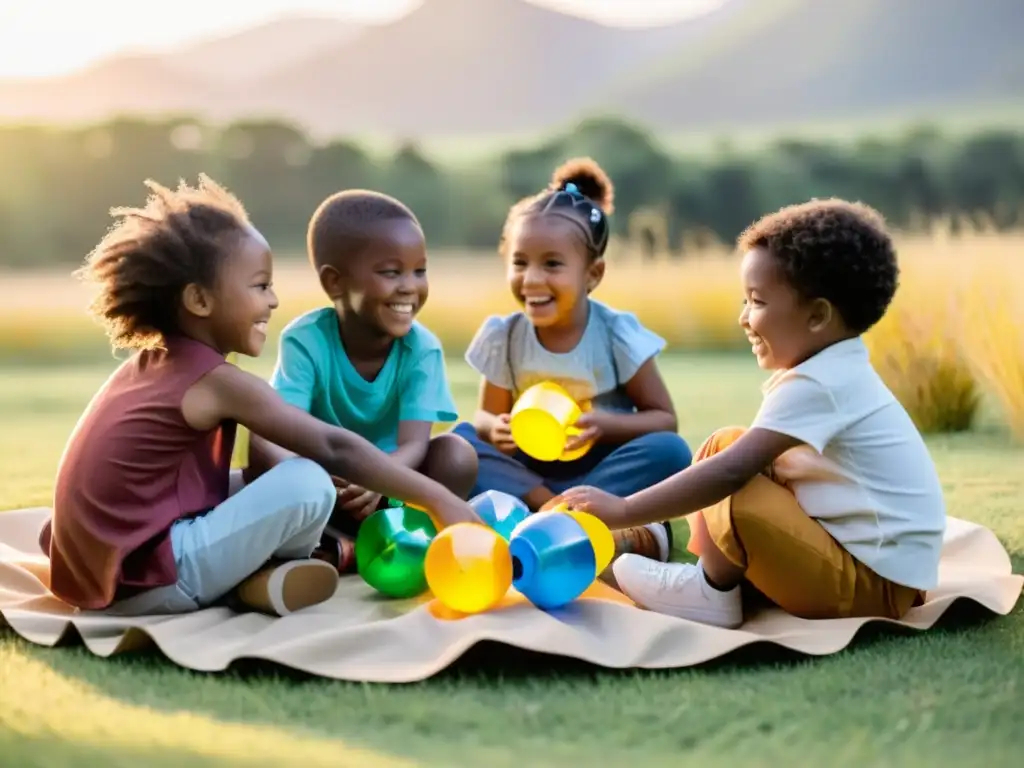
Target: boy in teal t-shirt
(314, 373)
(365, 363)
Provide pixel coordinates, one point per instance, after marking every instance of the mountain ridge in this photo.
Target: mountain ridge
(453, 68)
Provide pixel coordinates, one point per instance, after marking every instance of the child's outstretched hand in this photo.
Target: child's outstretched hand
(360, 503)
(501, 434)
(607, 507)
(458, 511)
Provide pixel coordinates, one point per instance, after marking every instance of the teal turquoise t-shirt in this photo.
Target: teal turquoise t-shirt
(314, 373)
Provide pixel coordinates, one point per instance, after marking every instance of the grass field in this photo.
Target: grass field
(947, 697)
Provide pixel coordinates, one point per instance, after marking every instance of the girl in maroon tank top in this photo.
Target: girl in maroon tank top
(148, 515)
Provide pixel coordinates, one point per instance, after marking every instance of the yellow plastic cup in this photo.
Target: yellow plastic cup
(540, 419)
(468, 568)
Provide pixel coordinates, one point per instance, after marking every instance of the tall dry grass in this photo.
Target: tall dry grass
(917, 347)
(992, 337)
(954, 333)
(949, 337)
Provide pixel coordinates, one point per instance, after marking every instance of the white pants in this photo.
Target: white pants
(282, 514)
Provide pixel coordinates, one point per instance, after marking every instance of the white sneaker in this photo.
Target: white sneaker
(677, 589)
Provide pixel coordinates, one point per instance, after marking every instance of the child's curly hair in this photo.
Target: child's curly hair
(150, 254)
(579, 191)
(835, 250)
(338, 228)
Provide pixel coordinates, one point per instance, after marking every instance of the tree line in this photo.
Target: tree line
(58, 183)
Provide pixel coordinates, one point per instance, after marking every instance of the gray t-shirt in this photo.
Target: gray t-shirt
(507, 353)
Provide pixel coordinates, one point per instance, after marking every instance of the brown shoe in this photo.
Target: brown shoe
(339, 550)
(288, 587)
(653, 541)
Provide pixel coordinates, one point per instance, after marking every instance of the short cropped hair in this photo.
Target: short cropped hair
(338, 229)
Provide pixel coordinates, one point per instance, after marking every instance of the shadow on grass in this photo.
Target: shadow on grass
(463, 702)
(59, 751)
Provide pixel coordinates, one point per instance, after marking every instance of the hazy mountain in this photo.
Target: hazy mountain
(792, 60)
(257, 52)
(125, 84)
(212, 77)
(461, 67)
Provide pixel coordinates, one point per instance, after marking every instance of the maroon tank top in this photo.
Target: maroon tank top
(131, 468)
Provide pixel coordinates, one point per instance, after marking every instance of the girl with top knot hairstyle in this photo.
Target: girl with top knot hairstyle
(554, 245)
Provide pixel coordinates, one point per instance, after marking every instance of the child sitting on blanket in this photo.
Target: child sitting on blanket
(144, 520)
(364, 362)
(829, 504)
(554, 247)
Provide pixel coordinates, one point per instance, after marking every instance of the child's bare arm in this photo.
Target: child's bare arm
(263, 456)
(228, 392)
(713, 479)
(698, 486)
(413, 443)
(654, 410)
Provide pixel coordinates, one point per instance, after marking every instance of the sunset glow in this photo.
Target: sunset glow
(52, 37)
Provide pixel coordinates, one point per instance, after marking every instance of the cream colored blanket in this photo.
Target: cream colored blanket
(360, 636)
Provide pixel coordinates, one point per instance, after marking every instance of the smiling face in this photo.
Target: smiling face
(384, 287)
(239, 306)
(783, 328)
(549, 271)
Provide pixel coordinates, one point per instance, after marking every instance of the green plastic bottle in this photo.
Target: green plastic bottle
(391, 548)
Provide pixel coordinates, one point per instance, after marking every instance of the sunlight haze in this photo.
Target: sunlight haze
(52, 37)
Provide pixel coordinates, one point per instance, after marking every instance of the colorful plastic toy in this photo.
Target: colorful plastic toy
(554, 559)
(542, 420)
(501, 511)
(551, 558)
(468, 567)
(392, 502)
(391, 548)
(599, 534)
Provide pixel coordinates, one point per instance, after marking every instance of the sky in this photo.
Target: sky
(40, 38)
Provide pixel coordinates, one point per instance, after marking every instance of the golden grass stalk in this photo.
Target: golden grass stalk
(917, 347)
(921, 362)
(993, 339)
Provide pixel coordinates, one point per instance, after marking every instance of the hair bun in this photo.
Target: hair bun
(589, 178)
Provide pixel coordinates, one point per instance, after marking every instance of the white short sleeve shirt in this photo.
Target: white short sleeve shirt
(865, 473)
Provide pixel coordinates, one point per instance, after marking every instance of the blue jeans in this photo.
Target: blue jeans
(622, 470)
(281, 514)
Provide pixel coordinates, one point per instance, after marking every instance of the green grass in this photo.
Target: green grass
(941, 698)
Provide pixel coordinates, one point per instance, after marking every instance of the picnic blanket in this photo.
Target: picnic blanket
(361, 636)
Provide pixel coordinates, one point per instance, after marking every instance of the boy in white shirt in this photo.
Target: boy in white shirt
(829, 504)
